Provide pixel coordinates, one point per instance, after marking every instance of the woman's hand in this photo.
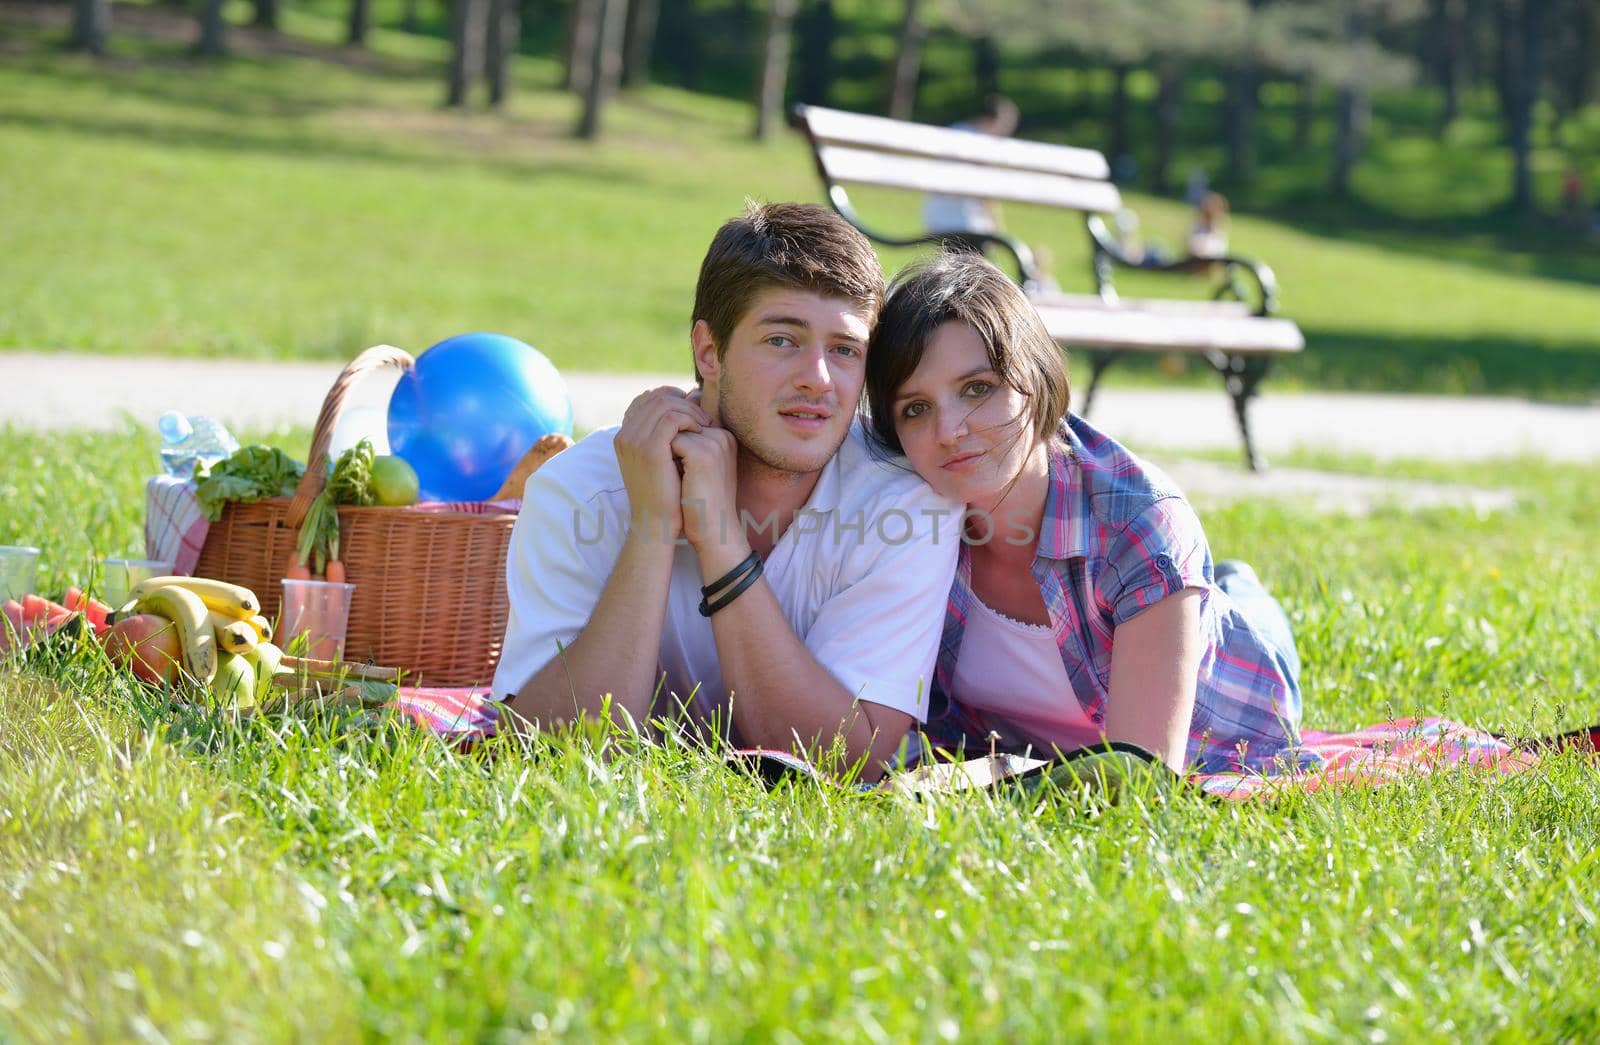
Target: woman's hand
(1155, 668)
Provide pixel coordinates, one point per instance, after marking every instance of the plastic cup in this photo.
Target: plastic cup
(321, 611)
(17, 566)
(118, 576)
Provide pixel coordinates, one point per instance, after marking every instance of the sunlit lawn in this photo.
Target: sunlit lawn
(173, 875)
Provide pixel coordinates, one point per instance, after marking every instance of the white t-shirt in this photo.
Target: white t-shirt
(1013, 672)
(863, 576)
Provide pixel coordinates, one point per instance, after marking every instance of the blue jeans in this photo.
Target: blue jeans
(1262, 611)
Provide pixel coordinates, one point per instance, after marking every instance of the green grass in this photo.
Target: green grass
(296, 201)
(177, 875)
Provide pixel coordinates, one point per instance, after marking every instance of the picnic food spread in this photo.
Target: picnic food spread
(337, 553)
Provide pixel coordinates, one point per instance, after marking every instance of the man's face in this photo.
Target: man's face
(788, 385)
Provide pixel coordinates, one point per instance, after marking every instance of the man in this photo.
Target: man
(737, 556)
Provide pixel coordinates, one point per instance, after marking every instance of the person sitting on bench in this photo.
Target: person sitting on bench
(736, 558)
(998, 116)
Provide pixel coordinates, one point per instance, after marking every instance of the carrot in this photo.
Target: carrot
(298, 570)
(335, 571)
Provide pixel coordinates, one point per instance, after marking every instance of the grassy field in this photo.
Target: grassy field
(180, 876)
(301, 201)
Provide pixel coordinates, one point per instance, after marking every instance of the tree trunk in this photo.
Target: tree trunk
(1446, 42)
(1305, 112)
(907, 64)
(1351, 111)
(1528, 78)
(582, 31)
(607, 69)
(91, 24)
(1169, 95)
(774, 66)
(818, 27)
(1239, 122)
(469, 20)
(1118, 117)
(266, 14)
(411, 19)
(642, 18)
(360, 21)
(986, 65)
(213, 42)
(505, 32)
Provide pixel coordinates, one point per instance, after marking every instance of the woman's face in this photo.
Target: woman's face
(963, 430)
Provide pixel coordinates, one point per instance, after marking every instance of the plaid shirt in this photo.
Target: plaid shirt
(1117, 537)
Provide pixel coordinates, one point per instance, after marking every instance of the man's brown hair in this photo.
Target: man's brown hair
(795, 245)
(964, 287)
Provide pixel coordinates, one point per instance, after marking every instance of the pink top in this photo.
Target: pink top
(1013, 672)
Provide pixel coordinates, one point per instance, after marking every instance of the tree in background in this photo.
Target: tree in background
(818, 27)
(643, 16)
(500, 48)
(265, 14)
(1520, 81)
(583, 29)
(484, 35)
(213, 41)
(605, 64)
(91, 25)
(907, 67)
(468, 39)
(359, 23)
(774, 75)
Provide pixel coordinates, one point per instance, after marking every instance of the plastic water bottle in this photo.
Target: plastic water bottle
(190, 441)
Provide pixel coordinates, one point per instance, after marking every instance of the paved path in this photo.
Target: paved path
(56, 391)
(52, 391)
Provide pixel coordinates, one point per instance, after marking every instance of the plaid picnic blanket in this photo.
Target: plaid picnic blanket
(1370, 757)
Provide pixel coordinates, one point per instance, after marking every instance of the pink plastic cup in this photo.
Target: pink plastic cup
(321, 611)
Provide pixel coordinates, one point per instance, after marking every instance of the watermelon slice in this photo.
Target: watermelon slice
(32, 619)
(93, 610)
(40, 612)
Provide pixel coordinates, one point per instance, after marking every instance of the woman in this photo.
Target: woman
(1085, 608)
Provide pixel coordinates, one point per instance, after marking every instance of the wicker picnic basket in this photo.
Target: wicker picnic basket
(430, 593)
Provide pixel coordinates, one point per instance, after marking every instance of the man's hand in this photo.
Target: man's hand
(645, 457)
(709, 459)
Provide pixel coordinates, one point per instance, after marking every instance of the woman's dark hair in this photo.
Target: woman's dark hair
(963, 287)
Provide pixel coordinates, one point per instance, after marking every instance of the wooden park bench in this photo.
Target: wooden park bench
(1235, 331)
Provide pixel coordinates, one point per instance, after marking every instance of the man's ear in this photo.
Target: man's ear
(706, 363)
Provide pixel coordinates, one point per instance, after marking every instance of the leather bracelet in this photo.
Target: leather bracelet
(708, 608)
(731, 576)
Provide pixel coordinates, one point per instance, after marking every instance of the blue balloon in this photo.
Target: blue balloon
(469, 411)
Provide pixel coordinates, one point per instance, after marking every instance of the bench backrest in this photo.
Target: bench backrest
(870, 150)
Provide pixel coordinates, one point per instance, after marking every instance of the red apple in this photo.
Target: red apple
(147, 644)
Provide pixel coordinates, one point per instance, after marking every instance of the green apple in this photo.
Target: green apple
(394, 481)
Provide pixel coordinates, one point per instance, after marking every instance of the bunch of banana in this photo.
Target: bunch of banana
(226, 642)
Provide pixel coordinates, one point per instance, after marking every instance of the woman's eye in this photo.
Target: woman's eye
(913, 410)
(978, 389)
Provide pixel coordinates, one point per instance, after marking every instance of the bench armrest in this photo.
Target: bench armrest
(1237, 274)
